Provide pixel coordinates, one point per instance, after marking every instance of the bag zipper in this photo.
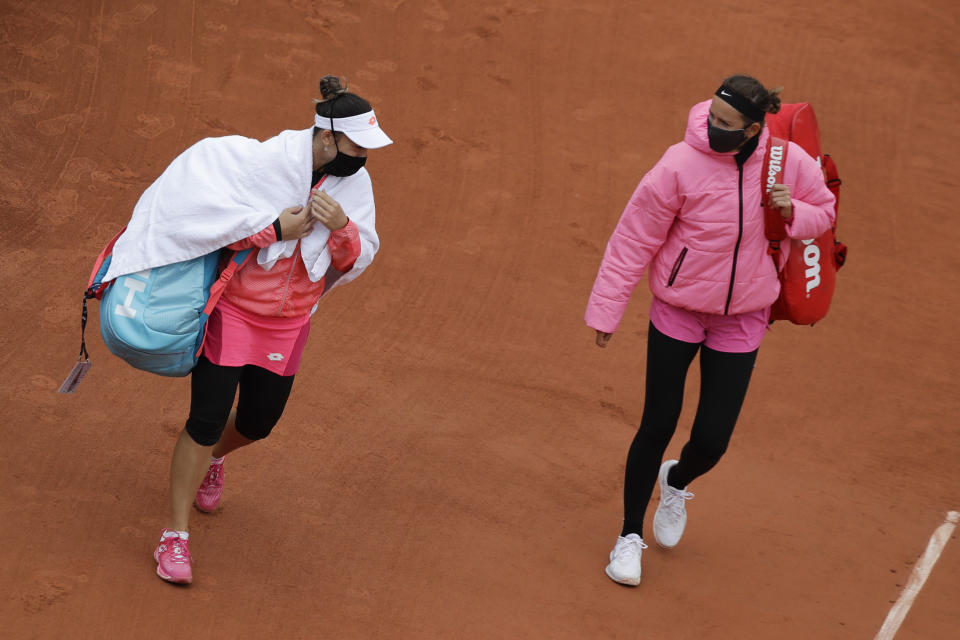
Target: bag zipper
(676, 267)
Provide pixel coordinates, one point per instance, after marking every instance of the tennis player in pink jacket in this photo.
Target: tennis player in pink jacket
(696, 221)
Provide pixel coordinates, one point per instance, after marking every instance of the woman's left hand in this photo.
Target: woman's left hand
(328, 211)
(780, 198)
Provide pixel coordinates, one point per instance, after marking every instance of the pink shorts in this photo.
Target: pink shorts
(236, 337)
(741, 333)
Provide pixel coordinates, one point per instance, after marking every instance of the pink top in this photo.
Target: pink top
(263, 318)
(286, 290)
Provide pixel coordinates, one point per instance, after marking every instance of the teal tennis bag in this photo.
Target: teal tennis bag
(156, 319)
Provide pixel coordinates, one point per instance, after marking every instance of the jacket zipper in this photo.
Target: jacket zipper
(736, 249)
(293, 265)
(676, 267)
(286, 285)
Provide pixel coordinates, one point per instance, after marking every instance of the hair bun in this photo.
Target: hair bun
(337, 102)
(773, 100)
(332, 86)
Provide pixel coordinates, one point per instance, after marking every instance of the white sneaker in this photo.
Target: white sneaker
(671, 516)
(624, 564)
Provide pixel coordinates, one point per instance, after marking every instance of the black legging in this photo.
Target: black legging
(724, 378)
(263, 395)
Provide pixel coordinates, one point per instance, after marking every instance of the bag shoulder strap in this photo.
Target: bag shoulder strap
(95, 286)
(774, 165)
(237, 260)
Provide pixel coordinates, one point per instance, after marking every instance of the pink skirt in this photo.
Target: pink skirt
(236, 337)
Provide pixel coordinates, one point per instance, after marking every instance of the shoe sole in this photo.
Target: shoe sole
(173, 580)
(628, 583)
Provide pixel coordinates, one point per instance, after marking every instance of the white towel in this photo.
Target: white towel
(222, 190)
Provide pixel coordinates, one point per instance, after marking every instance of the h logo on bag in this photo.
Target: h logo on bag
(133, 286)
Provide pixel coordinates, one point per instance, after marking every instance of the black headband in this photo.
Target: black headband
(740, 103)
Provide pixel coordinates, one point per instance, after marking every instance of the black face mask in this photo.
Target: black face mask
(343, 165)
(723, 140)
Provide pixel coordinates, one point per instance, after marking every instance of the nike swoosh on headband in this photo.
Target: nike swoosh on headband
(740, 103)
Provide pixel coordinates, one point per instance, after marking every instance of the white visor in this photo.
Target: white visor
(363, 129)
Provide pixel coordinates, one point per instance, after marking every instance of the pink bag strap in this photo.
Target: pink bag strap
(107, 251)
(237, 260)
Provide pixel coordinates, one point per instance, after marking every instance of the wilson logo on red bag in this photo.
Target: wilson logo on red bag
(811, 258)
(808, 276)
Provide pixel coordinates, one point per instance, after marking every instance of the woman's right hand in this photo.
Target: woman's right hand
(603, 338)
(296, 223)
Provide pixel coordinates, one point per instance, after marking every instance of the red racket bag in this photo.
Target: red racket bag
(808, 278)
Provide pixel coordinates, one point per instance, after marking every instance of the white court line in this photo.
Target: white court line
(919, 576)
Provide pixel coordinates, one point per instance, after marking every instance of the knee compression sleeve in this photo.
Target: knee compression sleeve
(263, 396)
(212, 389)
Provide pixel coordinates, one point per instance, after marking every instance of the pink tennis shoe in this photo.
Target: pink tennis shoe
(173, 557)
(211, 489)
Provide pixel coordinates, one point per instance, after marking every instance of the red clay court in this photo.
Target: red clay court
(450, 464)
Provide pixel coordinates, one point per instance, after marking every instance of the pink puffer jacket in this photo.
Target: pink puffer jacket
(685, 221)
